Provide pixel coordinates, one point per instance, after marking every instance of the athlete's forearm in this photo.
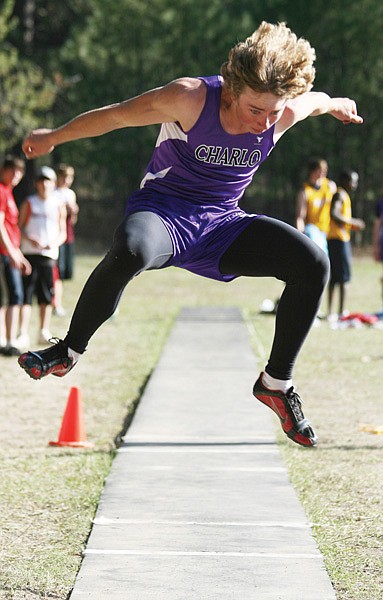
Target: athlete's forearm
(134, 112)
(314, 104)
(343, 109)
(90, 124)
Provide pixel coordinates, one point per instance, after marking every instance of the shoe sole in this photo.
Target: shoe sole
(29, 371)
(36, 373)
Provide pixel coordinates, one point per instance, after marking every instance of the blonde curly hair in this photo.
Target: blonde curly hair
(273, 59)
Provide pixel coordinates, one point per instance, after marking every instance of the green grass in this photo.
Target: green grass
(340, 484)
(48, 496)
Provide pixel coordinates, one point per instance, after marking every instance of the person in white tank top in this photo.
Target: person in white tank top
(43, 230)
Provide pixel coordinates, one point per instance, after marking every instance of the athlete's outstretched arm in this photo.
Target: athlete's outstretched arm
(313, 104)
(181, 100)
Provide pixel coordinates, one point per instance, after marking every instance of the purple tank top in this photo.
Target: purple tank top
(206, 165)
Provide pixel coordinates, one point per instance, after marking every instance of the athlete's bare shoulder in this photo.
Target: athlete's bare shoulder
(185, 97)
(189, 86)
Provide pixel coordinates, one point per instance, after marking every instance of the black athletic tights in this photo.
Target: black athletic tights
(267, 248)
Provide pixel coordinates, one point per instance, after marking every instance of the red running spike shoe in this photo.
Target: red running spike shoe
(288, 407)
(53, 360)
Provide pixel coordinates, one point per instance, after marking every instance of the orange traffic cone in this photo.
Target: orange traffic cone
(72, 432)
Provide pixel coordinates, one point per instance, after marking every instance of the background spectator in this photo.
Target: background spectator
(65, 177)
(314, 202)
(339, 244)
(13, 261)
(42, 222)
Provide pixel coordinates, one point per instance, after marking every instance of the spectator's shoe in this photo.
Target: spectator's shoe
(287, 406)
(53, 360)
(59, 311)
(10, 351)
(45, 337)
(23, 341)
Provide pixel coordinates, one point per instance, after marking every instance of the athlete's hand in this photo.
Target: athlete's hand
(345, 110)
(38, 143)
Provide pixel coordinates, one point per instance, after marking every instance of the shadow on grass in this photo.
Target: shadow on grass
(352, 448)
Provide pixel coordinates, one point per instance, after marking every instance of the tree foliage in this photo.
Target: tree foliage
(25, 95)
(96, 52)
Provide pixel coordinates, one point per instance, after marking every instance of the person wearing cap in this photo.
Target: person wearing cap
(43, 229)
(12, 260)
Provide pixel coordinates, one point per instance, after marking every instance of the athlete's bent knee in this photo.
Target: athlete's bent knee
(318, 269)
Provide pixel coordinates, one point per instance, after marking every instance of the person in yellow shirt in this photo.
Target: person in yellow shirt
(339, 244)
(314, 202)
